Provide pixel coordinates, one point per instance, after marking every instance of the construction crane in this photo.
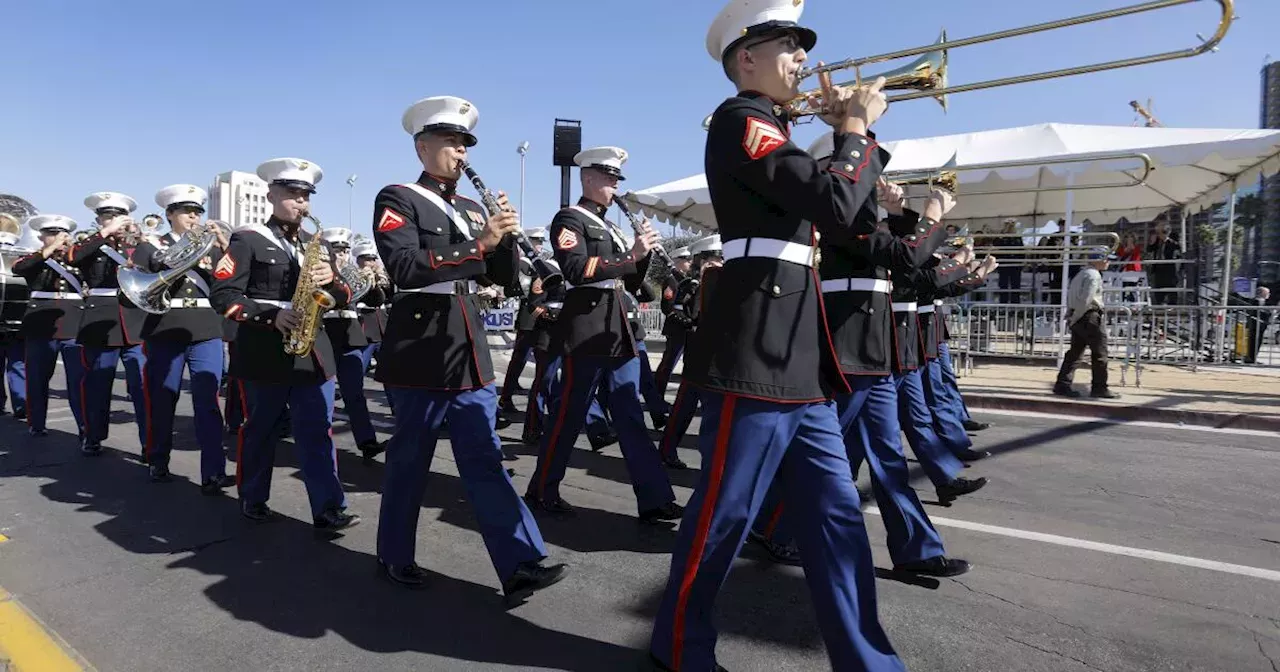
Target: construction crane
(1145, 113)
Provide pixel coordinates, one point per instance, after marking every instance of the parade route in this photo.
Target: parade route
(1096, 546)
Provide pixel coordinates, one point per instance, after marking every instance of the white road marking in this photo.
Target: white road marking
(376, 423)
(1142, 553)
(1130, 423)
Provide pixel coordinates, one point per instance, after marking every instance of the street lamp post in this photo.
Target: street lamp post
(351, 194)
(523, 149)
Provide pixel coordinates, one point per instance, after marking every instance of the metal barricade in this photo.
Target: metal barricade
(1021, 331)
(1190, 335)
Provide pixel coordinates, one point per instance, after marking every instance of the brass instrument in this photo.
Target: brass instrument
(927, 77)
(1081, 244)
(150, 291)
(947, 176)
(309, 301)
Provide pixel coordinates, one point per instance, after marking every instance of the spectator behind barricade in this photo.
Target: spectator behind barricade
(1129, 253)
(1255, 321)
(1010, 269)
(1052, 261)
(1163, 276)
(1085, 318)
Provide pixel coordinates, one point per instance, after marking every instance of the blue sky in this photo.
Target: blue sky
(134, 95)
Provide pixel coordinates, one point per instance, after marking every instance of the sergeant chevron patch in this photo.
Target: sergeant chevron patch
(567, 240)
(761, 138)
(226, 268)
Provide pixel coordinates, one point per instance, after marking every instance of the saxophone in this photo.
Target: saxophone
(309, 301)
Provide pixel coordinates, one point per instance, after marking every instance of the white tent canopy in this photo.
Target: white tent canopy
(1193, 167)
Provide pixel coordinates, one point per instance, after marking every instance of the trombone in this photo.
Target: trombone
(947, 176)
(927, 76)
(1048, 256)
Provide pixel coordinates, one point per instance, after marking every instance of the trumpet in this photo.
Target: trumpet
(927, 76)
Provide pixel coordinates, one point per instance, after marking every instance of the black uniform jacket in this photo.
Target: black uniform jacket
(346, 327)
(673, 307)
(436, 341)
(594, 322)
(694, 350)
(856, 276)
(914, 331)
(106, 321)
(49, 318)
(260, 271)
(373, 316)
(545, 308)
(766, 316)
(646, 293)
(191, 317)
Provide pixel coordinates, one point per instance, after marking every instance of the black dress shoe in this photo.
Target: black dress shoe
(531, 438)
(371, 449)
(673, 461)
(599, 443)
(658, 666)
(1066, 391)
(501, 422)
(939, 566)
(258, 513)
(1104, 394)
(659, 420)
(975, 426)
(507, 406)
(160, 474)
(20, 414)
(556, 506)
(335, 519)
(409, 576)
(529, 578)
(37, 432)
(215, 485)
(665, 513)
(967, 455)
(90, 449)
(783, 554)
(960, 486)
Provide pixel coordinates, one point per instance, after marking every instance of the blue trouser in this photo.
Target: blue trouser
(312, 415)
(946, 415)
(744, 444)
(509, 531)
(41, 359)
(162, 387)
(598, 424)
(135, 358)
(653, 398)
(951, 385)
(869, 421)
(681, 417)
(916, 420)
(236, 403)
(546, 370)
(12, 358)
(670, 356)
(620, 377)
(351, 367)
(551, 387)
(519, 357)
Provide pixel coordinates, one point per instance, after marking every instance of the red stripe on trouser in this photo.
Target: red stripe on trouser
(773, 521)
(146, 400)
(703, 528)
(84, 396)
(669, 437)
(566, 391)
(244, 422)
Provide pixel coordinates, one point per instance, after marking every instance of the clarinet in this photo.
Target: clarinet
(660, 253)
(550, 276)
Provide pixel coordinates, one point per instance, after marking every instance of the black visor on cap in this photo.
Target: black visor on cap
(608, 170)
(107, 212)
(181, 205)
(296, 184)
(469, 139)
(805, 36)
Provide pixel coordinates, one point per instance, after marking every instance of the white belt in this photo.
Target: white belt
(602, 284)
(769, 248)
(937, 302)
(677, 307)
(190, 303)
(907, 307)
(287, 305)
(102, 291)
(855, 285)
(69, 296)
(926, 309)
(554, 305)
(631, 316)
(341, 314)
(439, 288)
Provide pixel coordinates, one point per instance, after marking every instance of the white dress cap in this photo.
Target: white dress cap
(607, 160)
(536, 234)
(44, 223)
(337, 236)
(293, 173)
(364, 248)
(110, 200)
(747, 19)
(181, 195)
(680, 253)
(705, 245)
(442, 113)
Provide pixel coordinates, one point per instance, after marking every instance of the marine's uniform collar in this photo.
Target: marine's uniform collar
(593, 207)
(446, 188)
(779, 111)
(286, 230)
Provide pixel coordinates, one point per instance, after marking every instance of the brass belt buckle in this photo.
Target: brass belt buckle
(188, 303)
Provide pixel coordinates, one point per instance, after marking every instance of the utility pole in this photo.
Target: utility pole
(1145, 113)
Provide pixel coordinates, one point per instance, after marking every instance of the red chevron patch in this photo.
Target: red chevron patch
(390, 221)
(761, 138)
(226, 268)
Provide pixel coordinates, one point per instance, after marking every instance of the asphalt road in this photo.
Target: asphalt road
(141, 576)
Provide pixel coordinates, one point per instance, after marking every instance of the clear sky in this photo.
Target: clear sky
(134, 95)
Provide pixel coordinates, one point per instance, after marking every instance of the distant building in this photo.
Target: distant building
(238, 199)
(1267, 237)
